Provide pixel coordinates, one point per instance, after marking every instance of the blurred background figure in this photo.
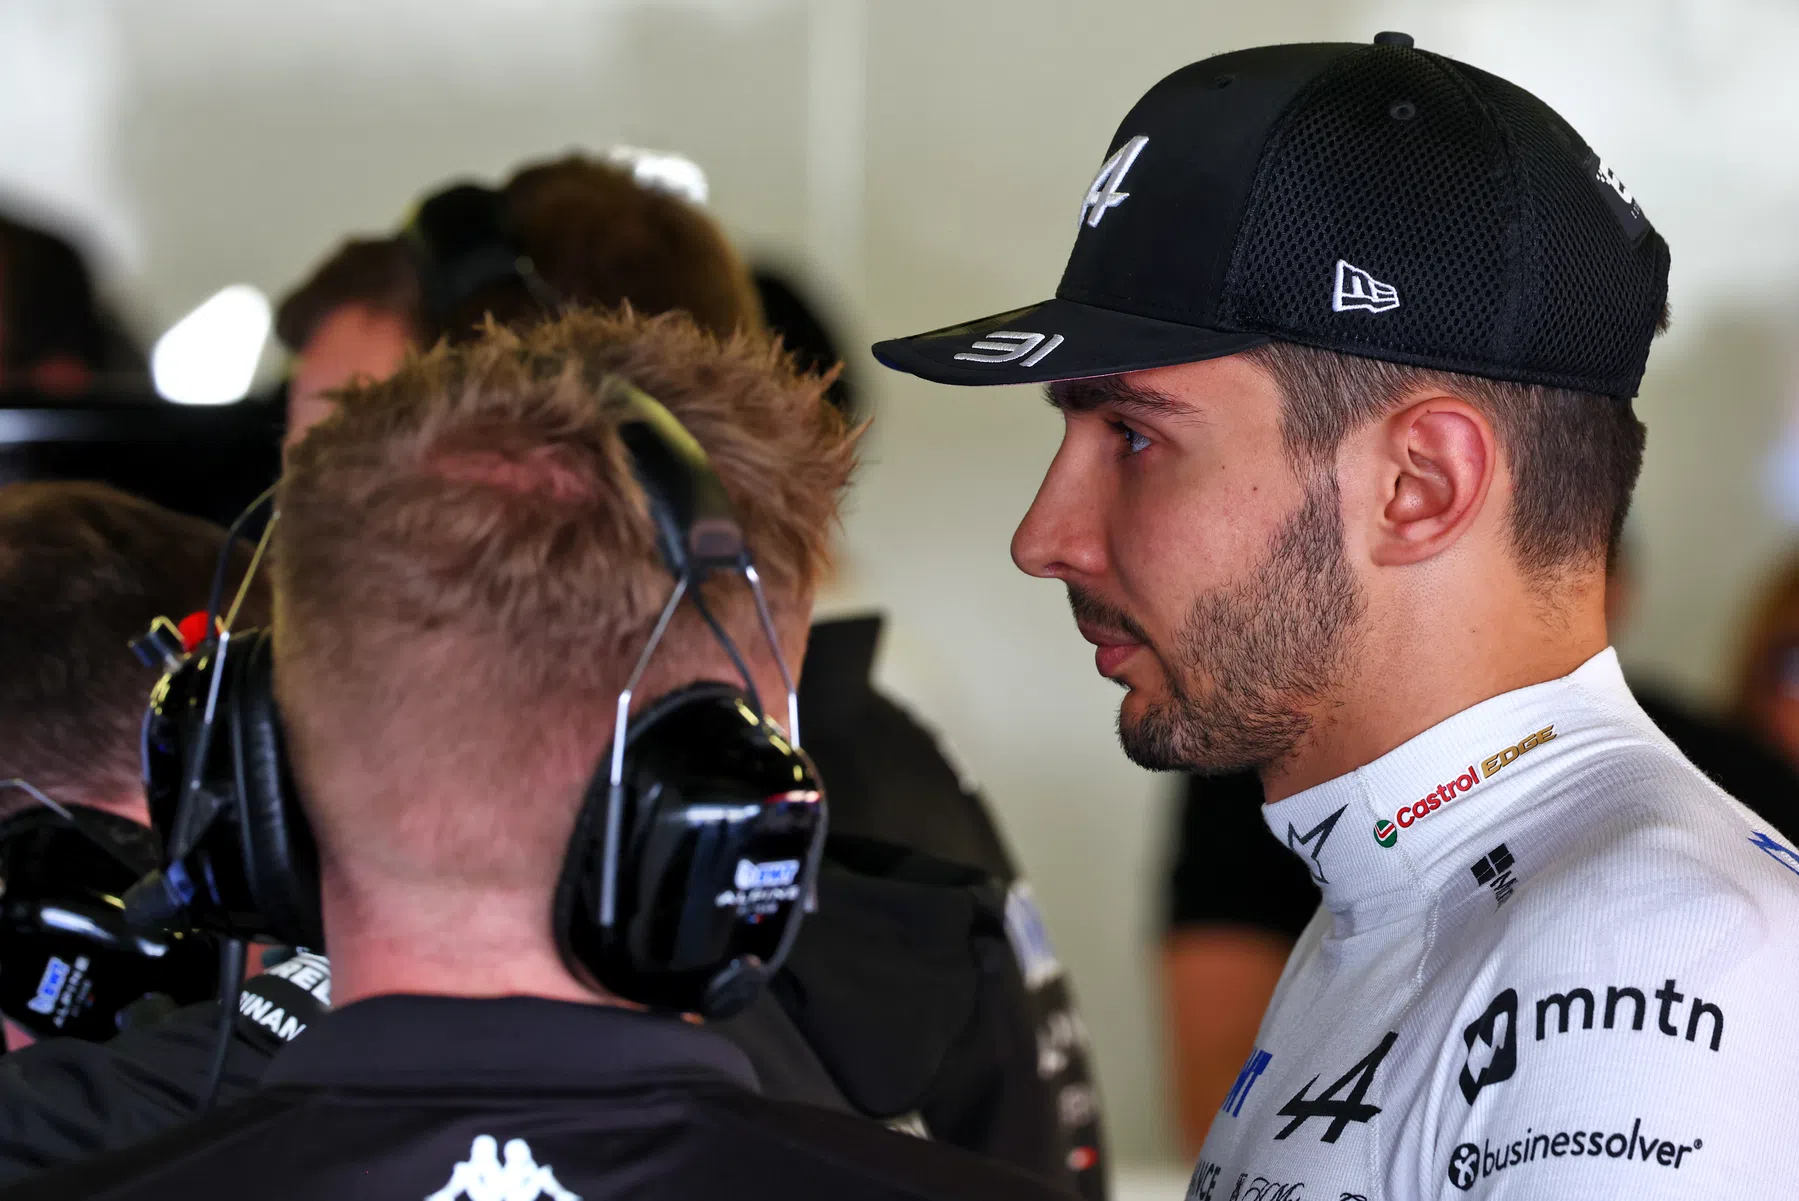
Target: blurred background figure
(1237, 900)
(1766, 696)
(56, 337)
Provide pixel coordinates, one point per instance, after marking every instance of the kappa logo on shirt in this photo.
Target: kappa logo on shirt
(484, 1177)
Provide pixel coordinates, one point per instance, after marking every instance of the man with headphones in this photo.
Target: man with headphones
(967, 1032)
(521, 748)
(83, 570)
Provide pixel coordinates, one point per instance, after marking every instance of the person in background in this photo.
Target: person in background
(56, 338)
(1235, 902)
(1765, 691)
(475, 528)
(84, 570)
(926, 993)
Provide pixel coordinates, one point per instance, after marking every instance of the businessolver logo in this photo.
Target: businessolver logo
(1471, 1163)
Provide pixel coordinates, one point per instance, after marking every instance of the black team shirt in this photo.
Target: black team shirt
(519, 1098)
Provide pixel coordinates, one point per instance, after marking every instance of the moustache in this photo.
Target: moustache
(1092, 611)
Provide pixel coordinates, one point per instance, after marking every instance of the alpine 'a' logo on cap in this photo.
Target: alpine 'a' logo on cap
(1104, 193)
(1010, 345)
(1356, 289)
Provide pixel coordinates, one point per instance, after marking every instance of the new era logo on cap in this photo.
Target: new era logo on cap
(1356, 289)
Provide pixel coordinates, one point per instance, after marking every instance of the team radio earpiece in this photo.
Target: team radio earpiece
(696, 848)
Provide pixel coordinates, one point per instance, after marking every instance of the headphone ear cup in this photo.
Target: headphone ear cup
(722, 826)
(280, 858)
(574, 912)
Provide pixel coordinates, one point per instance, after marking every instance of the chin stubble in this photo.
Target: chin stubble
(1253, 658)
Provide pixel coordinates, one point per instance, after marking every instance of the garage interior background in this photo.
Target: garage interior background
(921, 161)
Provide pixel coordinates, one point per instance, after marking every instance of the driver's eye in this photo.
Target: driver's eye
(1134, 442)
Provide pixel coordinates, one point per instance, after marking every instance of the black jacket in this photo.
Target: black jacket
(922, 993)
(979, 1034)
(520, 1098)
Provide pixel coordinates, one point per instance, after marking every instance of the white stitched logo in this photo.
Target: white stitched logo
(1356, 289)
(1006, 345)
(1609, 178)
(1104, 193)
(482, 1177)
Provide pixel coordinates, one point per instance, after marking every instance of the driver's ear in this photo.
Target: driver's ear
(1437, 459)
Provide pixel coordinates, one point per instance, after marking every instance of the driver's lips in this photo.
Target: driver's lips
(1113, 649)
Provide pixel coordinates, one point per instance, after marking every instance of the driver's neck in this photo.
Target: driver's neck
(1425, 661)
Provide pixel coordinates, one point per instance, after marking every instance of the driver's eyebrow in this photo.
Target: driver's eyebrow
(1113, 392)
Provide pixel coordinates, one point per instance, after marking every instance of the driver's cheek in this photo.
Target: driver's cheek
(1157, 547)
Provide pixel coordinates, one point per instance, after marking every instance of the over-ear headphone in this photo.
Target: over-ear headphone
(694, 855)
(466, 247)
(74, 967)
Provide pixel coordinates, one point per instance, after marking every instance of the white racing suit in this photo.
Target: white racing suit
(1553, 961)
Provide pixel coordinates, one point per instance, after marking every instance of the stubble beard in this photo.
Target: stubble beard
(1252, 660)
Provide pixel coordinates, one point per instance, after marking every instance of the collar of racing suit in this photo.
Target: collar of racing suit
(1392, 836)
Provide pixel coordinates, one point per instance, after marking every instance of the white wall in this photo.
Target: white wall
(926, 157)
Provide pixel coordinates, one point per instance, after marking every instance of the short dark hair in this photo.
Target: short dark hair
(84, 568)
(1575, 456)
(375, 272)
(48, 307)
(598, 237)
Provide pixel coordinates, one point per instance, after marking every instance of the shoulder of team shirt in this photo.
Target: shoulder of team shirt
(1636, 855)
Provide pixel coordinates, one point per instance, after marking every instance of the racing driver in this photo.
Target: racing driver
(1345, 353)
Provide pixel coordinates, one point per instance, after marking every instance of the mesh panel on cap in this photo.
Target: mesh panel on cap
(1596, 297)
(1412, 202)
(1476, 207)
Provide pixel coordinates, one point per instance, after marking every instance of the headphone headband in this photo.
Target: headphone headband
(699, 794)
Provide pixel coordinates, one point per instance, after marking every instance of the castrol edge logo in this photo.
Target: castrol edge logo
(1386, 833)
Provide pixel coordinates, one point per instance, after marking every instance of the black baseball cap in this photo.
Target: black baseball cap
(1375, 200)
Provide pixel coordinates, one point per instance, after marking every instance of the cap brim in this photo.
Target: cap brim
(1056, 340)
